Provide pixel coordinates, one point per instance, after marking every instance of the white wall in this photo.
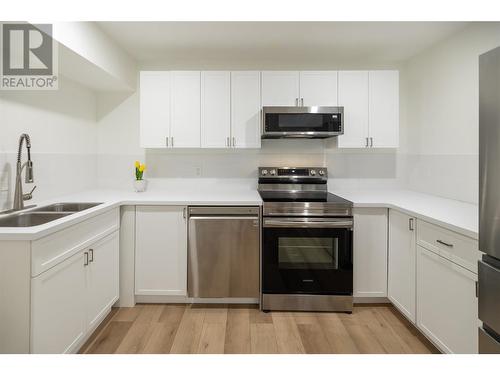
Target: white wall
(63, 130)
(118, 148)
(441, 100)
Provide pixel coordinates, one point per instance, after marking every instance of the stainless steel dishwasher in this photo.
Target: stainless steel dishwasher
(223, 256)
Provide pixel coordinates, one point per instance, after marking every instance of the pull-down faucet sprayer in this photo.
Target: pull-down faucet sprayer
(19, 197)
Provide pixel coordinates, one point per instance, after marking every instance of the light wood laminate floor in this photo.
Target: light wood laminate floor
(176, 328)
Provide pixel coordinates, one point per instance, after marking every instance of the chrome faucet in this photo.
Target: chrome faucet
(19, 197)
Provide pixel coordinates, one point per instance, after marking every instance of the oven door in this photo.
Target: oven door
(307, 256)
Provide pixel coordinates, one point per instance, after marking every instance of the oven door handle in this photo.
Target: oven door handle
(276, 223)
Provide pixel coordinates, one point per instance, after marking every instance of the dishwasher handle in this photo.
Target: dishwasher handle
(223, 217)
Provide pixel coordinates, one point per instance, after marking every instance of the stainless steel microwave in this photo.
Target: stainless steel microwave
(302, 122)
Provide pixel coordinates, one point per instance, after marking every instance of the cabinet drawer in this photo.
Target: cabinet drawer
(459, 249)
(53, 249)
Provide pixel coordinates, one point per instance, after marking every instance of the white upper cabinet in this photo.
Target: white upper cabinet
(383, 108)
(215, 109)
(402, 263)
(154, 109)
(245, 109)
(185, 120)
(371, 108)
(353, 96)
(280, 88)
(222, 109)
(318, 88)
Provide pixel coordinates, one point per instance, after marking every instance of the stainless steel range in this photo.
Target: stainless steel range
(306, 242)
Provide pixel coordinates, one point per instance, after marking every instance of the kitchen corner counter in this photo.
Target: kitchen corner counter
(457, 216)
(454, 215)
(116, 198)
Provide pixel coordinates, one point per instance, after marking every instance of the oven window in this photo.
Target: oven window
(308, 253)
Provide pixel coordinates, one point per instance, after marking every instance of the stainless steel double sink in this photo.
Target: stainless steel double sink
(43, 215)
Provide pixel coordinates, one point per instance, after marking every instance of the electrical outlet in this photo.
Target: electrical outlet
(197, 171)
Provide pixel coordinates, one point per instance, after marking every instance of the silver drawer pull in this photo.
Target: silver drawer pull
(85, 259)
(444, 243)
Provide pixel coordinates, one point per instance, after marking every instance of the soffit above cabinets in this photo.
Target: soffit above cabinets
(276, 45)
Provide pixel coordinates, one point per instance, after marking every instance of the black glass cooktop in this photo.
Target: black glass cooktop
(303, 196)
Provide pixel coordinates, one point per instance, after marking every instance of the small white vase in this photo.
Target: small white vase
(140, 185)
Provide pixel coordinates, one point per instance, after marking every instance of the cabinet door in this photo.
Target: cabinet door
(58, 307)
(402, 263)
(161, 251)
(446, 303)
(370, 252)
(154, 95)
(185, 120)
(280, 88)
(102, 278)
(384, 108)
(353, 96)
(215, 109)
(245, 109)
(318, 88)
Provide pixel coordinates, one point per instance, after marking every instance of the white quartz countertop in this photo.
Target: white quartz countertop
(115, 198)
(454, 215)
(457, 216)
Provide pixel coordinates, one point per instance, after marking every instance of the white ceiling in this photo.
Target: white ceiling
(315, 43)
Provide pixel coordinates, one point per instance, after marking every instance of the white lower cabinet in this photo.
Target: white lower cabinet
(401, 263)
(58, 307)
(370, 252)
(102, 279)
(70, 299)
(446, 303)
(161, 251)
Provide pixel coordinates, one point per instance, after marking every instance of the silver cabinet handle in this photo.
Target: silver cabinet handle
(227, 142)
(296, 102)
(172, 142)
(91, 255)
(444, 243)
(85, 259)
(371, 142)
(166, 140)
(301, 102)
(184, 212)
(234, 142)
(410, 224)
(366, 142)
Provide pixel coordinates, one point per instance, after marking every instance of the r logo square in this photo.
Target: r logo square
(29, 59)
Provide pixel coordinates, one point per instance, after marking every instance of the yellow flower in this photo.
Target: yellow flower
(142, 167)
(137, 164)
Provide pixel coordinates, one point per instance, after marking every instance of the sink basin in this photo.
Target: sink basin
(30, 219)
(66, 207)
(43, 215)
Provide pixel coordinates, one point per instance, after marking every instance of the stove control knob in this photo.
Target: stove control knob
(312, 172)
(264, 172)
(272, 172)
(321, 172)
